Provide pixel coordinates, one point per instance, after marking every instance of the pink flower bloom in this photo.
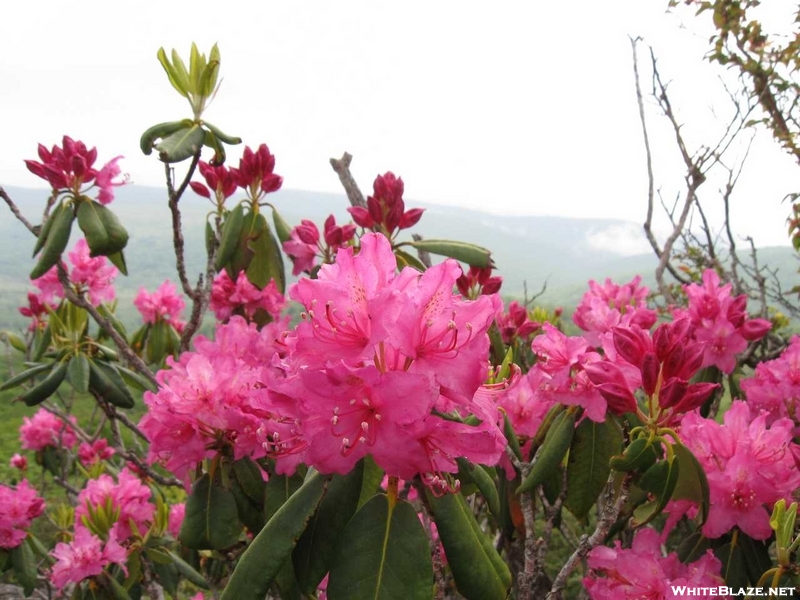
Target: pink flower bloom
(305, 244)
(516, 324)
(385, 210)
(255, 173)
(165, 304)
(18, 507)
(609, 305)
(524, 402)
(97, 451)
(93, 276)
(643, 572)
(18, 461)
(86, 556)
(219, 178)
(176, 515)
(476, 282)
(243, 298)
(749, 468)
(775, 387)
(128, 494)
(106, 181)
(45, 429)
(36, 310)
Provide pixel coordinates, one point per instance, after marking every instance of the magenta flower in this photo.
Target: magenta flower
(256, 172)
(176, 515)
(749, 468)
(775, 387)
(165, 304)
(385, 210)
(36, 310)
(516, 324)
(128, 494)
(642, 571)
(97, 451)
(91, 276)
(305, 244)
(476, 282)
(18, 461)
(45, 429)
(85, 556)
(243, 298)
(219, 178)
(18, 507)
(71, 168)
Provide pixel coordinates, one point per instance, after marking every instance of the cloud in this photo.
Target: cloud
(624, 239)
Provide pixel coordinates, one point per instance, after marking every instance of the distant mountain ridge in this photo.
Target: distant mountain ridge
(565, 252)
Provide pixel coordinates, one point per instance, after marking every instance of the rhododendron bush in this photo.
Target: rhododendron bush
(409, 436)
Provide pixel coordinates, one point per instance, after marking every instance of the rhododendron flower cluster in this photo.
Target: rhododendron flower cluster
(720, 320)
(37, 311)
(478, 281)
(381, 352)
(127, 494)
(775, 387)
(70, 167)
(92, 276)
(18, 507)
(255, 175)
(516, 323)
(642, 571)
(165, 304)
(176, 514)
(526, 401)
(18, 461)
(611, 305)
(45, 429)
(241, 297)
(305, 244)
(211, 399)
(97, 451)
(749, 467)
(386, 210)
(85, 556)
(219, 178)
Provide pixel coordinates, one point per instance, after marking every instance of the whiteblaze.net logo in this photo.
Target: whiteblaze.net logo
(731, 592)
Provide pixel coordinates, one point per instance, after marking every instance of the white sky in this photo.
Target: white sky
(514, 108)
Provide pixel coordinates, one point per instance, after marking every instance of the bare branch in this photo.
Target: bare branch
(342, 168)
(15, 210)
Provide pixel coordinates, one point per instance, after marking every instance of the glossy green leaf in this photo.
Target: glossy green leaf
(734, 570)
(660, 481)
(24, 376)
(267, 262)
(251, 512)
(211, 521)
(282, 228)
(118, 260)
(278, 490)
(639, 455)
(14, 340)
(383, 554)
(24, 564)
(41, 342)
(160, 131)
(511, 436)
(220, 155)
(157, 342)
(178, 79)
(187, 570)
(167, 577)
(468, 253)
(756, 555)
(479, 571)
(230, 235)
(78, 372)
(483, 481)
(405, 259)
(223, 137)
(57, 239)
(107, 383)
(47, 387)
(315, 550)
(555, 446)
(118, 326)
(104, 233)
(371, 480)
(250, 478)
(267, 553)
(182, 144)
(692, 482)
(587, 467)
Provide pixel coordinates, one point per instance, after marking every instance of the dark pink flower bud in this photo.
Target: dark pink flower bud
(671, 392)
(620, 399)
(674, 362)
(662, 341)
(271, 183)
(375, 211)
(411, 217)
(199, 189)
(361, 216)
(36, 168)
(650, 368)
(629, 345)
(737, 311)
(603, 371)
(307, 232)
(693, 355)
(755, 329)
(492, 285)
(696, 394)
(44, 154)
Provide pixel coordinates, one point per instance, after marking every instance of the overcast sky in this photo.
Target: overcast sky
(514, 108)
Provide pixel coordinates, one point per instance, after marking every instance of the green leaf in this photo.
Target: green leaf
(182, 144)
(659, 480)
(756, 556)
(484, 482)
(555, 446)
(107, 383)
(208, 78)
(167, 577)
(157, 341)
(587, 467)
(692, 482)
(57, 239)
(468, 253)
(211, 521)
(42, 341)
(282, 229)
(734, 570)
(267, 261)
(478, 570)
(278, 490)
(78, 372)
(47, 387)
(178, 79)
(43, 233)
(108, 313)
(24, 376)
(383, 554)
(639, 455)
(406, 259)
(160, 131)
(371, 481)
(14, 340)
(104, 233)
(188, 571)
(223, 137)
(24, 564)
(212, 142)
(511, 436)
(315, 550)
(250, 512)
(249, 476)
(266, 555)
(231, 233)
(118, 260)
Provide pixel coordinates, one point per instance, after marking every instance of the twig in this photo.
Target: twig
(342, 168)
(15, 210)
(177, 230)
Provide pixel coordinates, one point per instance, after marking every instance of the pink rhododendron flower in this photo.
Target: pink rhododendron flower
(45, 429)
(165, 304)
(97, 451)
(255, 173)
(749, 468)
(18, 461)
(643, 572)
(36, 310)
(775, 387)
(18, 507)
(305, 245)
(70, 167)
(477, 282)
(243, 298)
(720, 320)
(176, 515)
(516, 324)
(611, 305)
(525, 403)
(127, 493)
(385, 210)
(85, 556)
(92, 276)
(219, 178)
